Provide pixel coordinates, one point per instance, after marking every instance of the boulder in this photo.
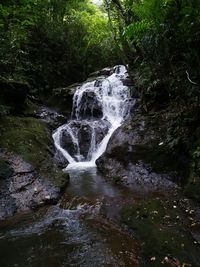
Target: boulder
(62, 98)
(67, 143)
(137, 155)
(90, 106)
(83, 132)
(21, 187)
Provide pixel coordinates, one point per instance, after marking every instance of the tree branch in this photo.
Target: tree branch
(189, 78)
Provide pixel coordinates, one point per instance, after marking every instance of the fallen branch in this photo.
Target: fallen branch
(189, 78)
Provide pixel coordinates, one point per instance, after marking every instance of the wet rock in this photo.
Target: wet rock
(67, 143)
(101, 130)
(134, 93)
(21, 187)
(5, 170)
(30, 191)
(138, 157)
(92, 107)
(84, 132)
(19, 166)
(62, 98)
(50, 116)
(137, 177)
(84, 137)
(127, 81)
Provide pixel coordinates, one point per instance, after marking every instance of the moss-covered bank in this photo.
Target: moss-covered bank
(30, 138)
(161, 227)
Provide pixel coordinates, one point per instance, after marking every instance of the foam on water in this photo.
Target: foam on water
(114, 100)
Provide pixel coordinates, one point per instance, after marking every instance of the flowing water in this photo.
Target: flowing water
(75, 232)
(111, 99)
(80, 230)
(83, 229)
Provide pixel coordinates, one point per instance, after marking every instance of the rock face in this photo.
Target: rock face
(137, 155)
(21, 187)
(62, 98)
(92, 107)
(29, 176)
(84, 133)
(51, 117)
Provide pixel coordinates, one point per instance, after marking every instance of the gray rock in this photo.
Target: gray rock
(62, 98)
(137, 155)
(21, 188)
(84, 130)
(51, 117)
(92, 106)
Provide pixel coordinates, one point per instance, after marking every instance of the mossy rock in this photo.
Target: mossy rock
(161, 232)
(31, 139)
(27, 137)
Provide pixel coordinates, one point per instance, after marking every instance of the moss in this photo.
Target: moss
(30, 108)
(26, 137)
(30, 138)
(160, 229)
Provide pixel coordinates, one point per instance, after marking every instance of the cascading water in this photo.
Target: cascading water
(99, 108)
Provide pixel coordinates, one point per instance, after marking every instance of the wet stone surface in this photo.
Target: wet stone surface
(22, 188)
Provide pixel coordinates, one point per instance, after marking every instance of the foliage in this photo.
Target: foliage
(160, 41)
(162, 36)
(4, 110)
(52, 43)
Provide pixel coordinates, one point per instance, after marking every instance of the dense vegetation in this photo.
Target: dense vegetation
(51, 43)
(47, 44)
(160, 41)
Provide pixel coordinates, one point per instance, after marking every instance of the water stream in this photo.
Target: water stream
(84, 228)
(80, 230)
(99, 108)
(75, 232)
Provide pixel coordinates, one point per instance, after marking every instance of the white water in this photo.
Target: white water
(112, 98)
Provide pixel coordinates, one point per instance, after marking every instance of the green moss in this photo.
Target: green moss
(27, 137)
(30, 138)
(30, 108)
(160, 229)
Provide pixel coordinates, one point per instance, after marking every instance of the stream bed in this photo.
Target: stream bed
(85, 229)
(72, 233)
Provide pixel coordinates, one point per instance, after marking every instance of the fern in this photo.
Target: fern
(151, 10)
(137, 30)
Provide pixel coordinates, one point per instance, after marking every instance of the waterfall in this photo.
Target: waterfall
(99, 108)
